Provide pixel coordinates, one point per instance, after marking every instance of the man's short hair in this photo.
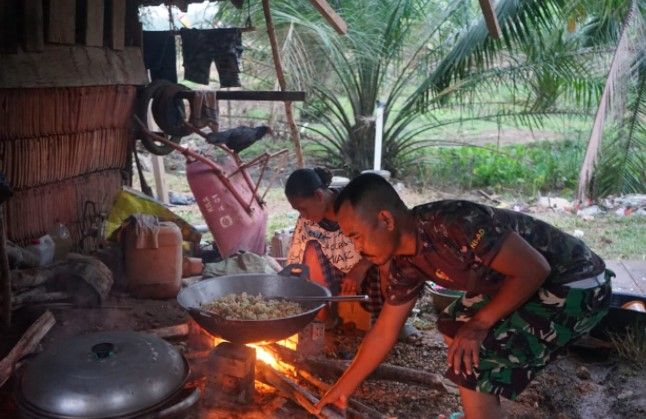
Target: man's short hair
(370, 193)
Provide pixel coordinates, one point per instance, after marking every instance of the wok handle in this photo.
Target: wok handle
(334, 298)
(296, 269)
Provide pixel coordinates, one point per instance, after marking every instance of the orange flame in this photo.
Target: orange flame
(267, 356)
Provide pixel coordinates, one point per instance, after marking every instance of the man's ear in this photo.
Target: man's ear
(319, 194)
(387, 218)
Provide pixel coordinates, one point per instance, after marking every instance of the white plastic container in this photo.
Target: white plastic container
(62, 240)
(43, 248)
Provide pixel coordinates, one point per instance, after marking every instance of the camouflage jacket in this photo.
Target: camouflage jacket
(457, 240)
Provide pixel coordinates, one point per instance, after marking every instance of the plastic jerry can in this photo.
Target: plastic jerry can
(154, 272)
(43, 248)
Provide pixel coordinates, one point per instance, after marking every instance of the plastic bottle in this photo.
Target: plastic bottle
(62, 239)
(43, 249)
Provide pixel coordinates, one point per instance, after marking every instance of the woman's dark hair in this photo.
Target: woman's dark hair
(302, 183)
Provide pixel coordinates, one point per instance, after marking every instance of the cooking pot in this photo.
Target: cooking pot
(291, 281)
(112, 374)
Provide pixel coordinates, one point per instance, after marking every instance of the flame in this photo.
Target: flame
(267, 356)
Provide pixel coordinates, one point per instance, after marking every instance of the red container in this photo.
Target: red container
(233, 227)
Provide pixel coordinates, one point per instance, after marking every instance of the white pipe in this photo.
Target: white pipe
(379, 131)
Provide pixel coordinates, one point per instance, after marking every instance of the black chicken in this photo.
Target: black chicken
(237, 139)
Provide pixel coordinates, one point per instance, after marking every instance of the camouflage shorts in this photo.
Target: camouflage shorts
(522, 344)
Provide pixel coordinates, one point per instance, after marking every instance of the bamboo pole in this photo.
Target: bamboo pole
(289, 114)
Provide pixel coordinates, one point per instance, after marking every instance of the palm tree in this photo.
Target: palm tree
(425, 59)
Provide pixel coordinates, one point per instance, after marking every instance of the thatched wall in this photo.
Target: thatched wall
(61, 148)
(68, 80)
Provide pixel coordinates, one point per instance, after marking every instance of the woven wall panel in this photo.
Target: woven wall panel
(29, 162)
(29, 113)
(33, 212)
(60, 148)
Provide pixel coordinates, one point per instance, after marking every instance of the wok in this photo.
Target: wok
(292, 281)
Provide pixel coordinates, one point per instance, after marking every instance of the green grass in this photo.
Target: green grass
(610, 236)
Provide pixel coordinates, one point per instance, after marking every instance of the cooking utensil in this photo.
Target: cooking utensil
(113, 374)
(331, 298)
(287, 283)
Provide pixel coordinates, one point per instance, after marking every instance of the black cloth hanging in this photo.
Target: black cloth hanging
(159, 55)
(200, 47)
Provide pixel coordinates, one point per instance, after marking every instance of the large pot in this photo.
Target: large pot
(113, 374)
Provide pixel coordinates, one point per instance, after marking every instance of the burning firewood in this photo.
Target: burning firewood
(292, 390)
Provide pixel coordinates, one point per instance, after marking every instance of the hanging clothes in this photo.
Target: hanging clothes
(160, 55)
(200, 47)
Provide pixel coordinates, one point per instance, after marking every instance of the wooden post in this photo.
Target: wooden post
(160, 178)
(5, 277)
(34, 27)
(92, 20)
(293, 129)
(116, 24)
(490, 18)
(61, 28)
(330, 15)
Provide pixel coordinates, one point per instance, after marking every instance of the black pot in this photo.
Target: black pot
(114, 374)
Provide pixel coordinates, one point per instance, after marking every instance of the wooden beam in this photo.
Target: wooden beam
(289, 114)
(73, 66)
(61, 22)
(116, 24)
(266, 95)
(331, 16)
(490, 18)
(91, 20)
(33, 29)
(160, 178)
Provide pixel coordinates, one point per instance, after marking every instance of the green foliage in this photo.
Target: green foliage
(545, 166)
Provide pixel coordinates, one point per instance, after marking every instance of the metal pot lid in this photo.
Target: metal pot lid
(104, 374)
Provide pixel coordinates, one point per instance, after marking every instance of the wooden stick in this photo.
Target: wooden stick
(180, 330)
(26, 344)
(293, 391)
(38, 295)
(333, 367)
(293, 129)
(5, 277)
(355, 407)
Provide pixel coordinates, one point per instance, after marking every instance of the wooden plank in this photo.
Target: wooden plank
(116, 24)
(260, 95)
(33, 30)
(91, 21)
(330, 16)
(61, 22)
(8, 26)
(73, 66)
(490, 18)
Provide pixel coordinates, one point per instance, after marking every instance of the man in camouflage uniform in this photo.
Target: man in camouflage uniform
(530, 289)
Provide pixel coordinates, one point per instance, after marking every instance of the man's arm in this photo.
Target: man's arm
(374, 348)
(525, 270)
(352, 280)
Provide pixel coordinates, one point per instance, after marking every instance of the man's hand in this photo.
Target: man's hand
(336, 396)
(465, 347)
(350, 284)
